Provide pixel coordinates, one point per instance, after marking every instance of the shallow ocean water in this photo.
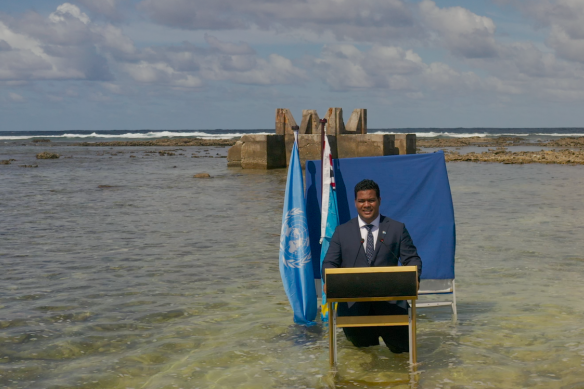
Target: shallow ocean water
(160, 280)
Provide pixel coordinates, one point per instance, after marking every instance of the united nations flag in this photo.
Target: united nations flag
(295, 257)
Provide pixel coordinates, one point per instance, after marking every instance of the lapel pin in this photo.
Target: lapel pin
(383, 232)
(381, 240)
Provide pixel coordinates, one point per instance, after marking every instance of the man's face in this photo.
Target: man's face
(367, 205)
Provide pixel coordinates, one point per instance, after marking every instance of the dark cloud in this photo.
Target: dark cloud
(366, 20)
(4, 46)
(563, 18)
(199, 15)
(113, 10)
(241, 48)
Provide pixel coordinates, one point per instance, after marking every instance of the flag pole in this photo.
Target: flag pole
(296, 129)
(322, 135)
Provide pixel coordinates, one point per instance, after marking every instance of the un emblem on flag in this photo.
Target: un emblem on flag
(294, 242)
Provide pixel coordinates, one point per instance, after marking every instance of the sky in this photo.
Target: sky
(210, 64)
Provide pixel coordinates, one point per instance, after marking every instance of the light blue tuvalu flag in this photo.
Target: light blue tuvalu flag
(295, 258)
(329, 215)
(332, 222)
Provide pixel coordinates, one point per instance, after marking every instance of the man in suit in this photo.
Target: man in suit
(368, 240)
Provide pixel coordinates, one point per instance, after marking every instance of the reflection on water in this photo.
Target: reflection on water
(160, 280)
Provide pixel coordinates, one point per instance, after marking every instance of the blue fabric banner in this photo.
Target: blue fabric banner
(414, 190)
(295, 254)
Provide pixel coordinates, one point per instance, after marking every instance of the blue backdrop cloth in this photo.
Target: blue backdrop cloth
(414, 190)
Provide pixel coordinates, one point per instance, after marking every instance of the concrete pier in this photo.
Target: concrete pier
(357, 123)
(335, 124)
(284, 121)
(350, 141)
(262, 152)
(310, 122)
(368, 145)
(309, 147)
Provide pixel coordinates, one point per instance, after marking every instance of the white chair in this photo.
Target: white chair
(435, 287)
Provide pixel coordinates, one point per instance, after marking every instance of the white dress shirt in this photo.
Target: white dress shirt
(364, 231)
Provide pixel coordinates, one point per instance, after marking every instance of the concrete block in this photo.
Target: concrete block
(335, 124)
(405, 143)
(234, 155)
(310, 122)
(309, 147)
(263, 152)
(357, 123)
(284, 121)
(367, 145)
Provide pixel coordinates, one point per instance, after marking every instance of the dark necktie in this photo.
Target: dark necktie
(369, 250)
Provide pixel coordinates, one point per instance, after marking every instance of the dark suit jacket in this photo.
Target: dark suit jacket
(346, 250)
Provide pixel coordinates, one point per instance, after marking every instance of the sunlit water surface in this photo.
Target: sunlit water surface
(161, 280)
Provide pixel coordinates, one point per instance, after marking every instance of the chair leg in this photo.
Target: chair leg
(454, 311)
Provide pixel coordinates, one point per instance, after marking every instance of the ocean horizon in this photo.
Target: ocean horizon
(531, 133)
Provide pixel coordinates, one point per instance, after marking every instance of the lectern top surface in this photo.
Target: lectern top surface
(380, 269)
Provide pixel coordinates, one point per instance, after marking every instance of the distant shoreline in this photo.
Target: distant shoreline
(161, 142)
(502, 141)
(502, 149)
(571, 152)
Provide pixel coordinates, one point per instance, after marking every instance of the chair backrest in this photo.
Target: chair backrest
(414, 190)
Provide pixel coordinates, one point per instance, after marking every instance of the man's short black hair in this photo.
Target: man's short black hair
(367, 185)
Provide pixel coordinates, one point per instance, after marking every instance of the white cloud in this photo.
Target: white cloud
(16, 98)
(565, 20)
(68, 45)
(461, 31)
(60, 46)
(188, 65)
(251, 70)
(113, 88)
(520, 69)
(66, 11)
(346, 67)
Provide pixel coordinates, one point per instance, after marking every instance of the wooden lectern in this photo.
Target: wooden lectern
(371, 284)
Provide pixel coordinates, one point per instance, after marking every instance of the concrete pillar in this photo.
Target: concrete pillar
(367, 145)
(284, 121)
(310, 122)
(357, 123)
(263, 152)
(234, 155)
(309, 147)
(335, 124)
(406, 143)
